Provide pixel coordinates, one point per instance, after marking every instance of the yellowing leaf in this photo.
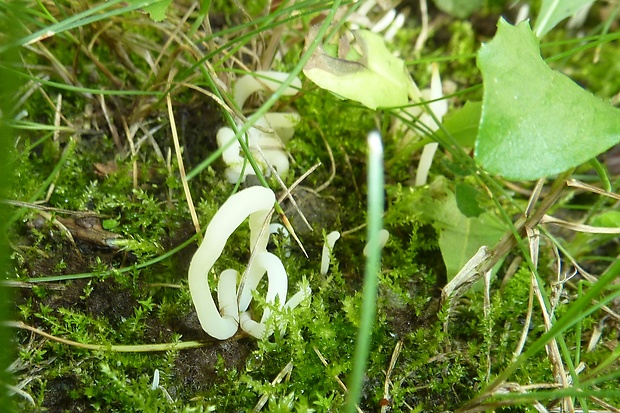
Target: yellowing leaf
(376, 78)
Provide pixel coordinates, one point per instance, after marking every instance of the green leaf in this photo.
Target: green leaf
(367, 78)
(467, 200)
(459, 8)
(606, 219)
(462, 124)
(536, 122)
(157, 10)
(554, 11)
(460, 237)
(109, 223)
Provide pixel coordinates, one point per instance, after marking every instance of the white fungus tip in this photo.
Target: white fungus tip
(384, 236)
(330, 241)
(155, 383)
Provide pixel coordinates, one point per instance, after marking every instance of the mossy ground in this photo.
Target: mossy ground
(138, 196)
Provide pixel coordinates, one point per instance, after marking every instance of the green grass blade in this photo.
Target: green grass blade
(81, 19)
(373, 266)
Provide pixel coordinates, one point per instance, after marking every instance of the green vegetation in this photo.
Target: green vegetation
(112, 152)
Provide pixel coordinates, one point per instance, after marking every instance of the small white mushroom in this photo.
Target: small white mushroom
(384, 236)
(328, 246)
(438, 107)
(155, 383)
(254, 202)
(267, 137)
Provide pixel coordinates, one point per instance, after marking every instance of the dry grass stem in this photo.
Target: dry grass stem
(526, 325)
(285, 372)
(548, 219)
(423, 36)
(139, 348)
(177, 150)
(332, 162)
(553, 350)
(586, 187)
(385, 402)
(111, 126)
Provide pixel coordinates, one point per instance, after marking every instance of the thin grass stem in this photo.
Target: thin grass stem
(373, 267)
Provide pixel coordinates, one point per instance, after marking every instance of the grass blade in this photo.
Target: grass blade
(373, 266)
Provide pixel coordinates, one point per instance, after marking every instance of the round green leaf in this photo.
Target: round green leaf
(536, 122)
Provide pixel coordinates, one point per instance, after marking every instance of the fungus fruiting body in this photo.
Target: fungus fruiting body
(384, 236)
(267, 137)
(438, 107)
(222, 321)
(328, 246)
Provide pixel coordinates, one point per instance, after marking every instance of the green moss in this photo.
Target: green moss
(439, 369)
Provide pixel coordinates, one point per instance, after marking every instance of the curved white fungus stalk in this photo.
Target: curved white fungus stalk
(384, 236)
(396, 25)
(227, 294)
(278, 280)
(390, 22)
(282, 123)
(384, 22)
(277, 288)
(439, 109)
(426, 160)
(303, 293)
(278, 160)
(328, 246)
(267, 149)
(255, 202)
(366, 6)
(259, 330)
(155, 383)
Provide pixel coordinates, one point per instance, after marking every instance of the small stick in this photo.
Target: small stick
(332, 169)
(115, 136)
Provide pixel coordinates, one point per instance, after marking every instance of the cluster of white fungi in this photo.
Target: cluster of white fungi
(224, 320)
